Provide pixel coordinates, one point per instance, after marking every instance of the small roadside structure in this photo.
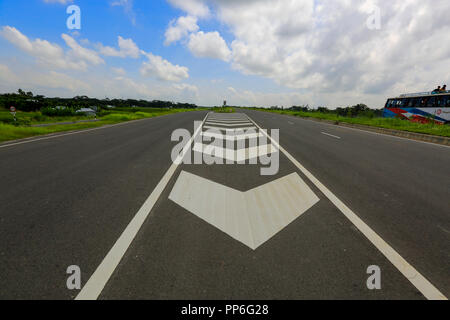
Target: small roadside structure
(87, 112)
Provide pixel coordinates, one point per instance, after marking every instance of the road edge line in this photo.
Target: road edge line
(415, 277)
(98, 280)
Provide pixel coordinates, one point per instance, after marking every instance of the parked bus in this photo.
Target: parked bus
(424, 107)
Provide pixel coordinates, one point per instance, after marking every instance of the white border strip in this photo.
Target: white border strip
(99, 279)
(418, 280)
(330, 135)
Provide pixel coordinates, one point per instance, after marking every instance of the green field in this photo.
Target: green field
(23, 129)
(224, 110)
(397, 124)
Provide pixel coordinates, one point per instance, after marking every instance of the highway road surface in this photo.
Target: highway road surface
(301, 217)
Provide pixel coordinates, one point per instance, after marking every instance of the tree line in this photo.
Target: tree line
(27, 101)
(359, 110)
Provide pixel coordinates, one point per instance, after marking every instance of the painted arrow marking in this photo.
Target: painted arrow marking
(226, 124)
(251, 217)
(232, 137)
(227, 120)
(240, 155)
(230, 130)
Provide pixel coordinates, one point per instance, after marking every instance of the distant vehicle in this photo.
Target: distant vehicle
(423, 107)
(87, 112)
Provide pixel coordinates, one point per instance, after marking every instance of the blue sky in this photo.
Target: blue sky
(258, 52)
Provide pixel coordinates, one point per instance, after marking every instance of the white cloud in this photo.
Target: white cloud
(119, 71)
(180, 28)
(127, 48)
(324, 47)
(162, 69)
(209, 45)
(195, 8)
(50, 54)
(58, 1)
(7, 75)
(32, 79)
(81, 53)
(127, 7)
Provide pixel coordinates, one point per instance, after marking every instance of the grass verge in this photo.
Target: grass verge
(12, 132)
(387, 123)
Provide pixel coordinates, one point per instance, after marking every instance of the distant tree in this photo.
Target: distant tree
(323, 109)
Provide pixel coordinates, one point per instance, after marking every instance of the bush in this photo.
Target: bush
(53, 112)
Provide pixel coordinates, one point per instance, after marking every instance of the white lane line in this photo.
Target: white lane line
(98, 280)
(291, 123)
(375, 133)
(330, 135)
(418, 280)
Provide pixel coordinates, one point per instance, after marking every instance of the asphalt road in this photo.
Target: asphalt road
(67, 200)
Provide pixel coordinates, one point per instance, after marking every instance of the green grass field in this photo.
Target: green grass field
(224, 110)
(397, 124)
(9, 131)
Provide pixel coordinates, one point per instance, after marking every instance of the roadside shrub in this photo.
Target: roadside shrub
(53, 112)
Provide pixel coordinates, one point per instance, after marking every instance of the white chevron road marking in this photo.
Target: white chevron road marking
(230, 130)
(251, 217)
(229, 124)
(230, 120)
(235, 155)
(232, 137)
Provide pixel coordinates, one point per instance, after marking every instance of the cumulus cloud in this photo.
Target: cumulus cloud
(209, 45)
(127, 48)
(32, 79)
(81, 53)
(162, 69)
(127, 7)
(50, 54)
(58, 1)
(180, 28)
(6, 75)
(326, 49)
(119, 71)
(195, 8)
